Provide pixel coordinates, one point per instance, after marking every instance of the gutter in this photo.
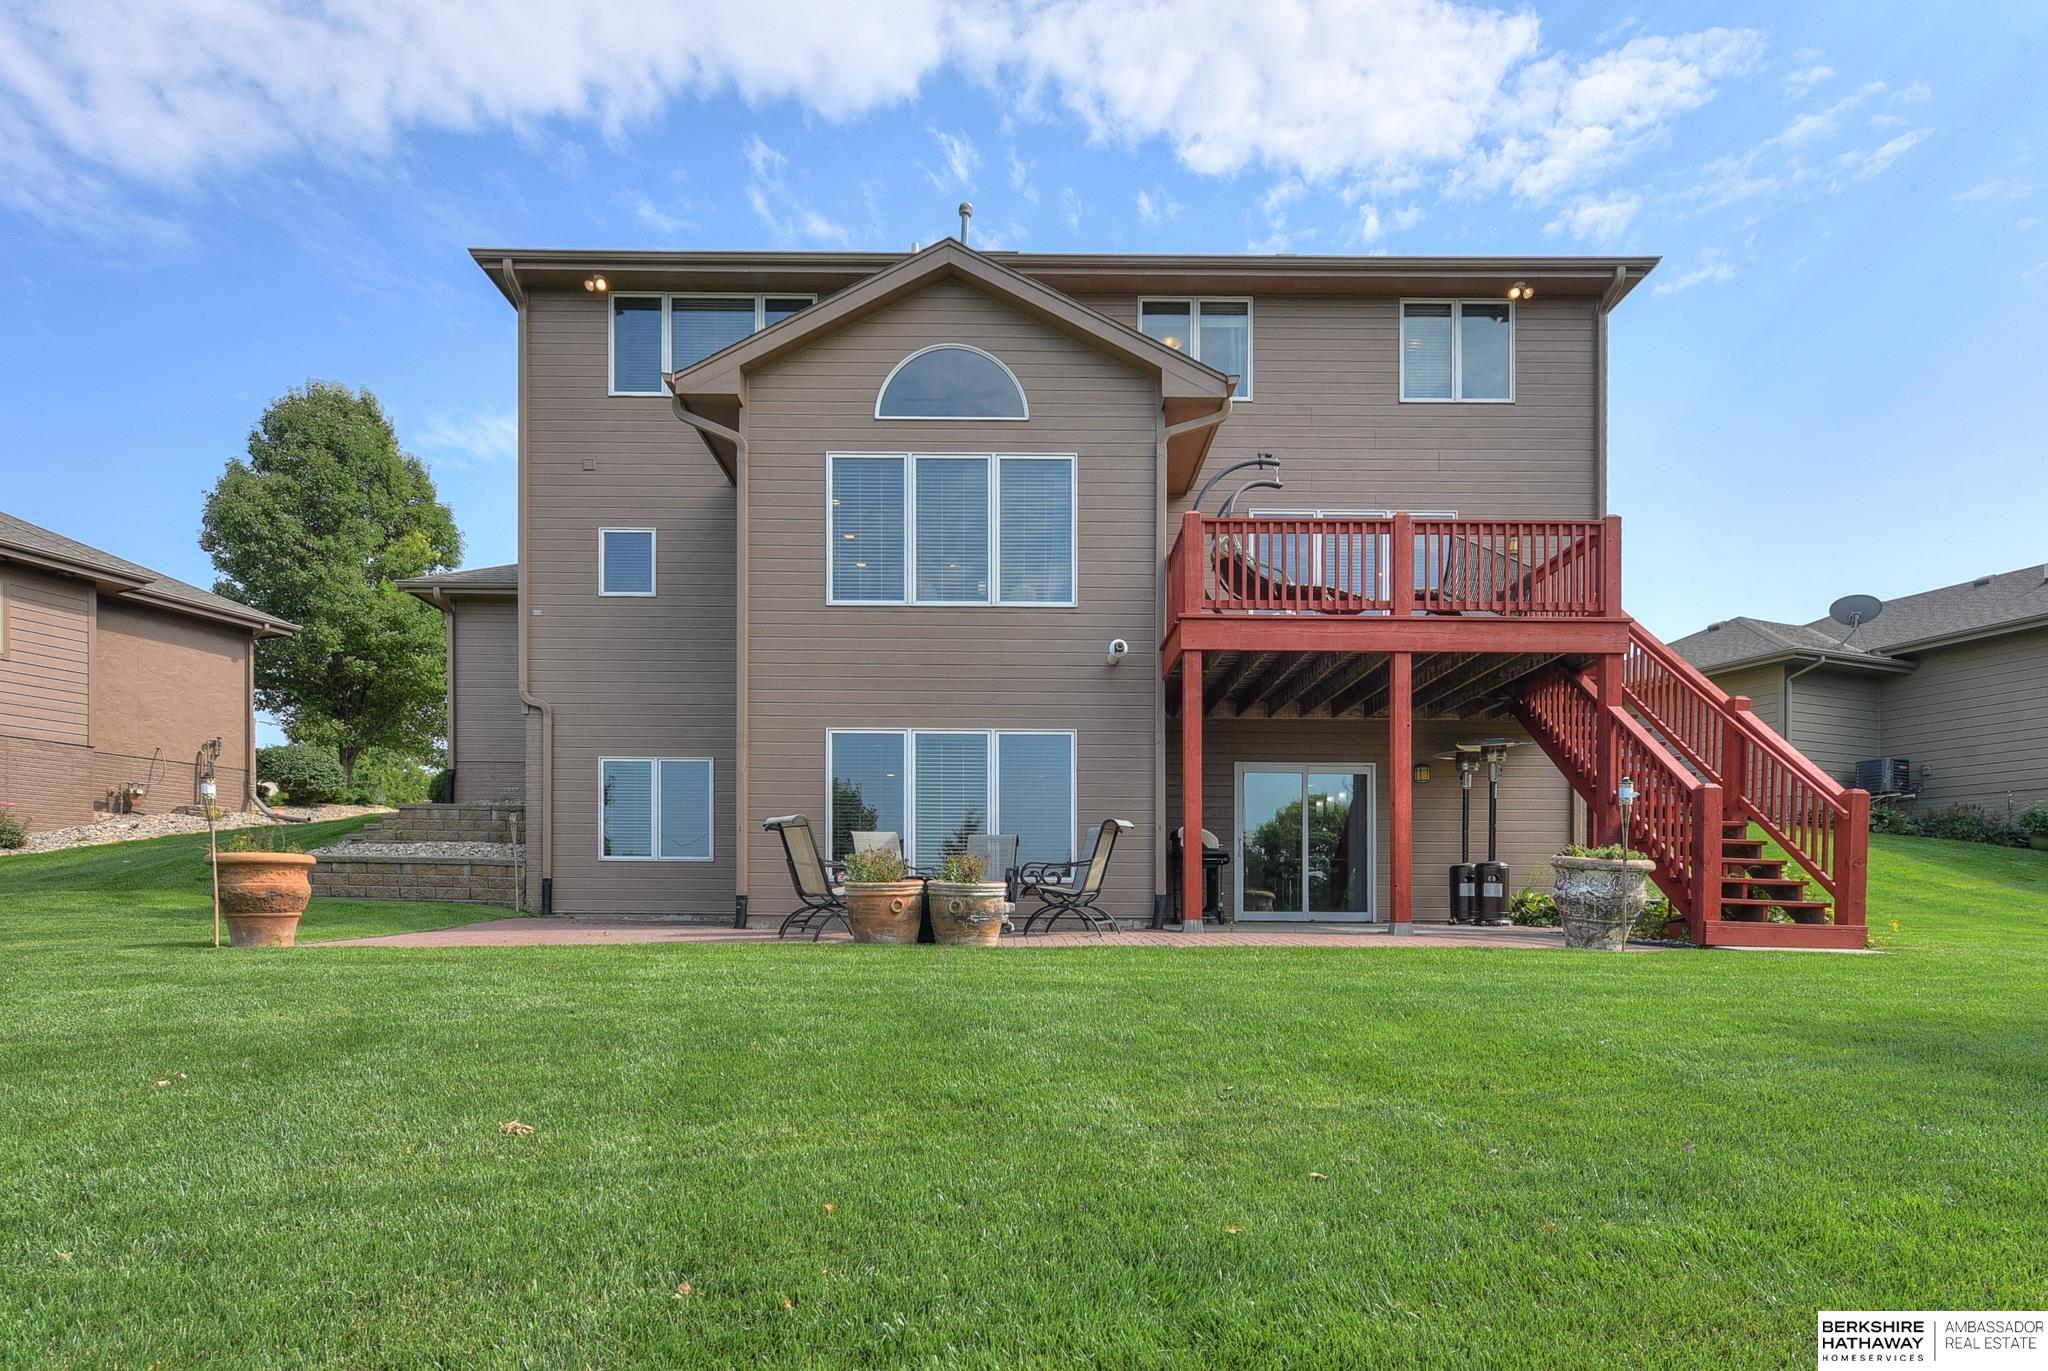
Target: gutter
(517, 295)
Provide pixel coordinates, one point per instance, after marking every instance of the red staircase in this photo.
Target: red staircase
(1710, 777)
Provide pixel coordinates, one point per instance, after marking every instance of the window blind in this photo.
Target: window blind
(952, 529)
(1483, 351)
(1035, 794)
(685, 808)
(699, 328)
(1036, 502)
(628, 808)
(1426, 352)
(636, 344)
(952, 793)
(776, 308)
(867, 528)
(628, 562)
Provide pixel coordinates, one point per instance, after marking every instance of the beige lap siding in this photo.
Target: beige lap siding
(1765, 687)
(45, 657)
(1977, 715)
(1836, 719)
(490, 724)
(1536, 807)
(815, 666)
(639, 677)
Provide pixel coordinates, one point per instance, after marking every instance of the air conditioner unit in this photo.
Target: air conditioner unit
(1885, 776)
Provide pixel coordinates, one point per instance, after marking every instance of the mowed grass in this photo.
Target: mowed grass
(1122, 1156)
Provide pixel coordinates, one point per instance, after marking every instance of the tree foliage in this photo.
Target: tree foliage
(315, 526)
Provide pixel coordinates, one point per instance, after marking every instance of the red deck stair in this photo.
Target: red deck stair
(1717, 789)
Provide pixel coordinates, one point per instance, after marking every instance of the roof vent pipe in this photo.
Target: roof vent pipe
(966, 213)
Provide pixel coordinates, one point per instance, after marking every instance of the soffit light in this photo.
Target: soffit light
(597, 284)
(1521, 290)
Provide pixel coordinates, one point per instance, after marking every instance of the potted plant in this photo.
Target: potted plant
(965, 908)
(2034, 819)
(883, 904)
(263, 891)
(1600, 894)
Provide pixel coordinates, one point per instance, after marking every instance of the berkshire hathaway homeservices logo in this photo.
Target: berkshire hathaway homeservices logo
(1963, 1340)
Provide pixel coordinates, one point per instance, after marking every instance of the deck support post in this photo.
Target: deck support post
(1401, 791)
(1607, 695)
(1192, 890)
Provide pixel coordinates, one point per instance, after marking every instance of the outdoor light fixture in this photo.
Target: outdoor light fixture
(1422, 773)
(596, 283)
(1118, 650)
(1521, 290)
(1625, 798)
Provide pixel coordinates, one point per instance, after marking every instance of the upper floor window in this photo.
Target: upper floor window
(951, 381)
(625, 561)
(1458, 350)
(947, 528)
(1216, 333)
(653, 334)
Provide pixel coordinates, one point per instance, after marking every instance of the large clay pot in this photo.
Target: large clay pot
(2038, 841)
(262, 895)
(1598, 901)
(884, 911)
(968, 913)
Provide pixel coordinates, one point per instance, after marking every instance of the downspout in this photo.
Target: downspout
(439, 598)
(526, 695)
(1790, 677)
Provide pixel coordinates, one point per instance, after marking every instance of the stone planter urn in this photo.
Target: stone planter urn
(262, 895)
(964, 913)
(884, 911)
(1599, 900)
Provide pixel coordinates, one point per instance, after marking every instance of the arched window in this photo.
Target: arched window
(951, 381)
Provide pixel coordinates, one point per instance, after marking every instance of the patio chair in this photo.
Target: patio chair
(1073, 887)
(998, 852)
(882, 838)
(821, 899)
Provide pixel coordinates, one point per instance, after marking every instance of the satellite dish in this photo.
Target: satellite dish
(1854, 611)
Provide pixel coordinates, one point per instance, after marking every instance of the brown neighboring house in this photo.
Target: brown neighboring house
(112, 680)
(910, 542)
(1952, 682)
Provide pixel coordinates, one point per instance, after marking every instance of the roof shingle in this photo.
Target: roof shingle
(38, 542)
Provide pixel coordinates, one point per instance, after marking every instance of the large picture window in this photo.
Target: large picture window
(1458, 351)
(655, 334)
(1217, 333)
(937, 787)
(654, 809)
(951, 528)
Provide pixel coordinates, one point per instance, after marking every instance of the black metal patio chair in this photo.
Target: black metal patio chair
(821, 898)
(1074, 888)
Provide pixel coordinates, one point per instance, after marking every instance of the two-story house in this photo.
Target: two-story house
(913, 542)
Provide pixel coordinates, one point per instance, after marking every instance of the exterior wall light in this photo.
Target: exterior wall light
(1422, 773)
(1521, 290)
(596, 283)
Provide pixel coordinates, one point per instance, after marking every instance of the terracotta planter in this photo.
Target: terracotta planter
(2038, 841)
(262, 895)
(1598, 901)
(885, 911)
(968, 913)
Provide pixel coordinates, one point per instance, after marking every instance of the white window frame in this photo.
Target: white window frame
(995, 531)
(668, 299)
(1315, 556)
(1194, 347)
(1023, 396)
(995, 755)
(654, 810)
(1457, 395)
(653, 565)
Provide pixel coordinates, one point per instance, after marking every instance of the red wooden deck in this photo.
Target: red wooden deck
(1485, 616)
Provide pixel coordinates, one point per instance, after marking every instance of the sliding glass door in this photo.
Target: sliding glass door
(1305, 842)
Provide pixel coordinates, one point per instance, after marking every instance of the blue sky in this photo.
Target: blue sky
(1832, 384)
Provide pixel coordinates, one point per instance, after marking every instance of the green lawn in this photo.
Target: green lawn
(886, 1155)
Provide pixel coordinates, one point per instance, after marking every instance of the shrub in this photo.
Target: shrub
(2034, 819)
(1656, 923)
(1613, 852)
(441, 790)
(1959, 823)
(1892, 819)
(963, 868)
(307, 774)
(392, 778)
(874, 866)
(13, 826)
(1533, 908)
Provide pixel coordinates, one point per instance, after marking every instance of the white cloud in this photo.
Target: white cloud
(1594, 219)
(101, 99)
(961, 158)
(468, 438)
(680, 220)
(1802, 81)
(1156, 207)
(1070, 208)
(787, 216)
(1712, 272)
(1863, 164)
(1992, 192)
(1020, 177)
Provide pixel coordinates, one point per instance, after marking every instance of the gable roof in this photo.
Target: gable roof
(2010, 602)
(1189, 390)
(476, 580)
(33, 545)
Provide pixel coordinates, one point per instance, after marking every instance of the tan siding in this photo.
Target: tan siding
(1977, 716)
(490, 723)
(1536, 805)
(1765, 687)
(1327, 402)
(1835, 718)
(164, 685)
(626, 677)
(46, 666)
(815, 667)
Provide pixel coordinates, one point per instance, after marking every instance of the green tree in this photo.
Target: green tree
(326, 513)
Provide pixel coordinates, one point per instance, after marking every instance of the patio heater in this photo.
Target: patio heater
(1464, 875)
(1493, 872)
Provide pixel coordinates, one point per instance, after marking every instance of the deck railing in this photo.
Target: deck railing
(1543, 568)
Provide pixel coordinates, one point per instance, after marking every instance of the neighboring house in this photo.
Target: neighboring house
(113, 681)
(1952, 681)
(486, 722)
(854, 535)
